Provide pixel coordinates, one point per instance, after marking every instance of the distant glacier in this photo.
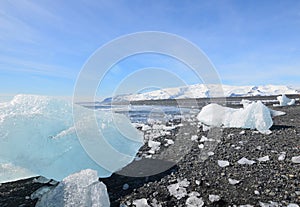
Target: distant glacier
(205, 91)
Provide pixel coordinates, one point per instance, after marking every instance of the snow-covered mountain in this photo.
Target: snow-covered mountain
(205, 91)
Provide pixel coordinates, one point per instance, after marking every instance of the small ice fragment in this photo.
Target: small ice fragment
(178, 189)
(246, 205)
(146, 127)
(169, 141)
(264, 159)
(223, 163)
(296, 159)
(293, 205)
(194, 137)
(148, 156)
(194, 201)
(125, 186)
(214, 198)
(233, 181)
(201, 146)
(203, 139)
(258, 147)
(41, 179)
(242, 132)
(256, 192)
(155, 203)
(154, 145)
(275, 113)
(53, 182)
(210, 153)
(197, 182)
(245, 161)
(261, 204)
(282, 155)
(141, 202)
(78, 189)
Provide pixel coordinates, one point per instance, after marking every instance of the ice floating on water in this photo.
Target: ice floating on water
(80, 189)
(285, 101)
(254, 115)
(38, 137)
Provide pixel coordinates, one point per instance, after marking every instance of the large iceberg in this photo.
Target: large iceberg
(254, 115)
(38, 137)
(79, 189)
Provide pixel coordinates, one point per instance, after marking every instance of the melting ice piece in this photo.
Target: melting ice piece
(254, 116)
(233, 181)
(178, 189)
(79, 189)
(141, 203)
(285, 101)
(223, 163)
(282, 156)
(245, 161)
(296, 159)
(194, 201)
(264, 159)
(38, 136)
(214, 198)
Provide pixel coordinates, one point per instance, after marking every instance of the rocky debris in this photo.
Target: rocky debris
(272, 182)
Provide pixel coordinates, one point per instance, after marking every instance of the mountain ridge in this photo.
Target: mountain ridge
(205, 91)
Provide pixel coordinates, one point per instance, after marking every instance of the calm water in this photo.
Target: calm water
(145, 113)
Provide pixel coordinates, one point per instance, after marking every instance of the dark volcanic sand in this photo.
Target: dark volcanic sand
(277, 181)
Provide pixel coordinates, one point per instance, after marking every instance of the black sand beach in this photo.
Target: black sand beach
(267, 181)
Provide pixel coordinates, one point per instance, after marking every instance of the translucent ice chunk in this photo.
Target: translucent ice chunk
(79, 189)
(39, 136)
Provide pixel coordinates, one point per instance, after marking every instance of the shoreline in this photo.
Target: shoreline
(274, 180)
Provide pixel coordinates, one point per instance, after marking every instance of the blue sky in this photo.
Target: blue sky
(44, 44)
